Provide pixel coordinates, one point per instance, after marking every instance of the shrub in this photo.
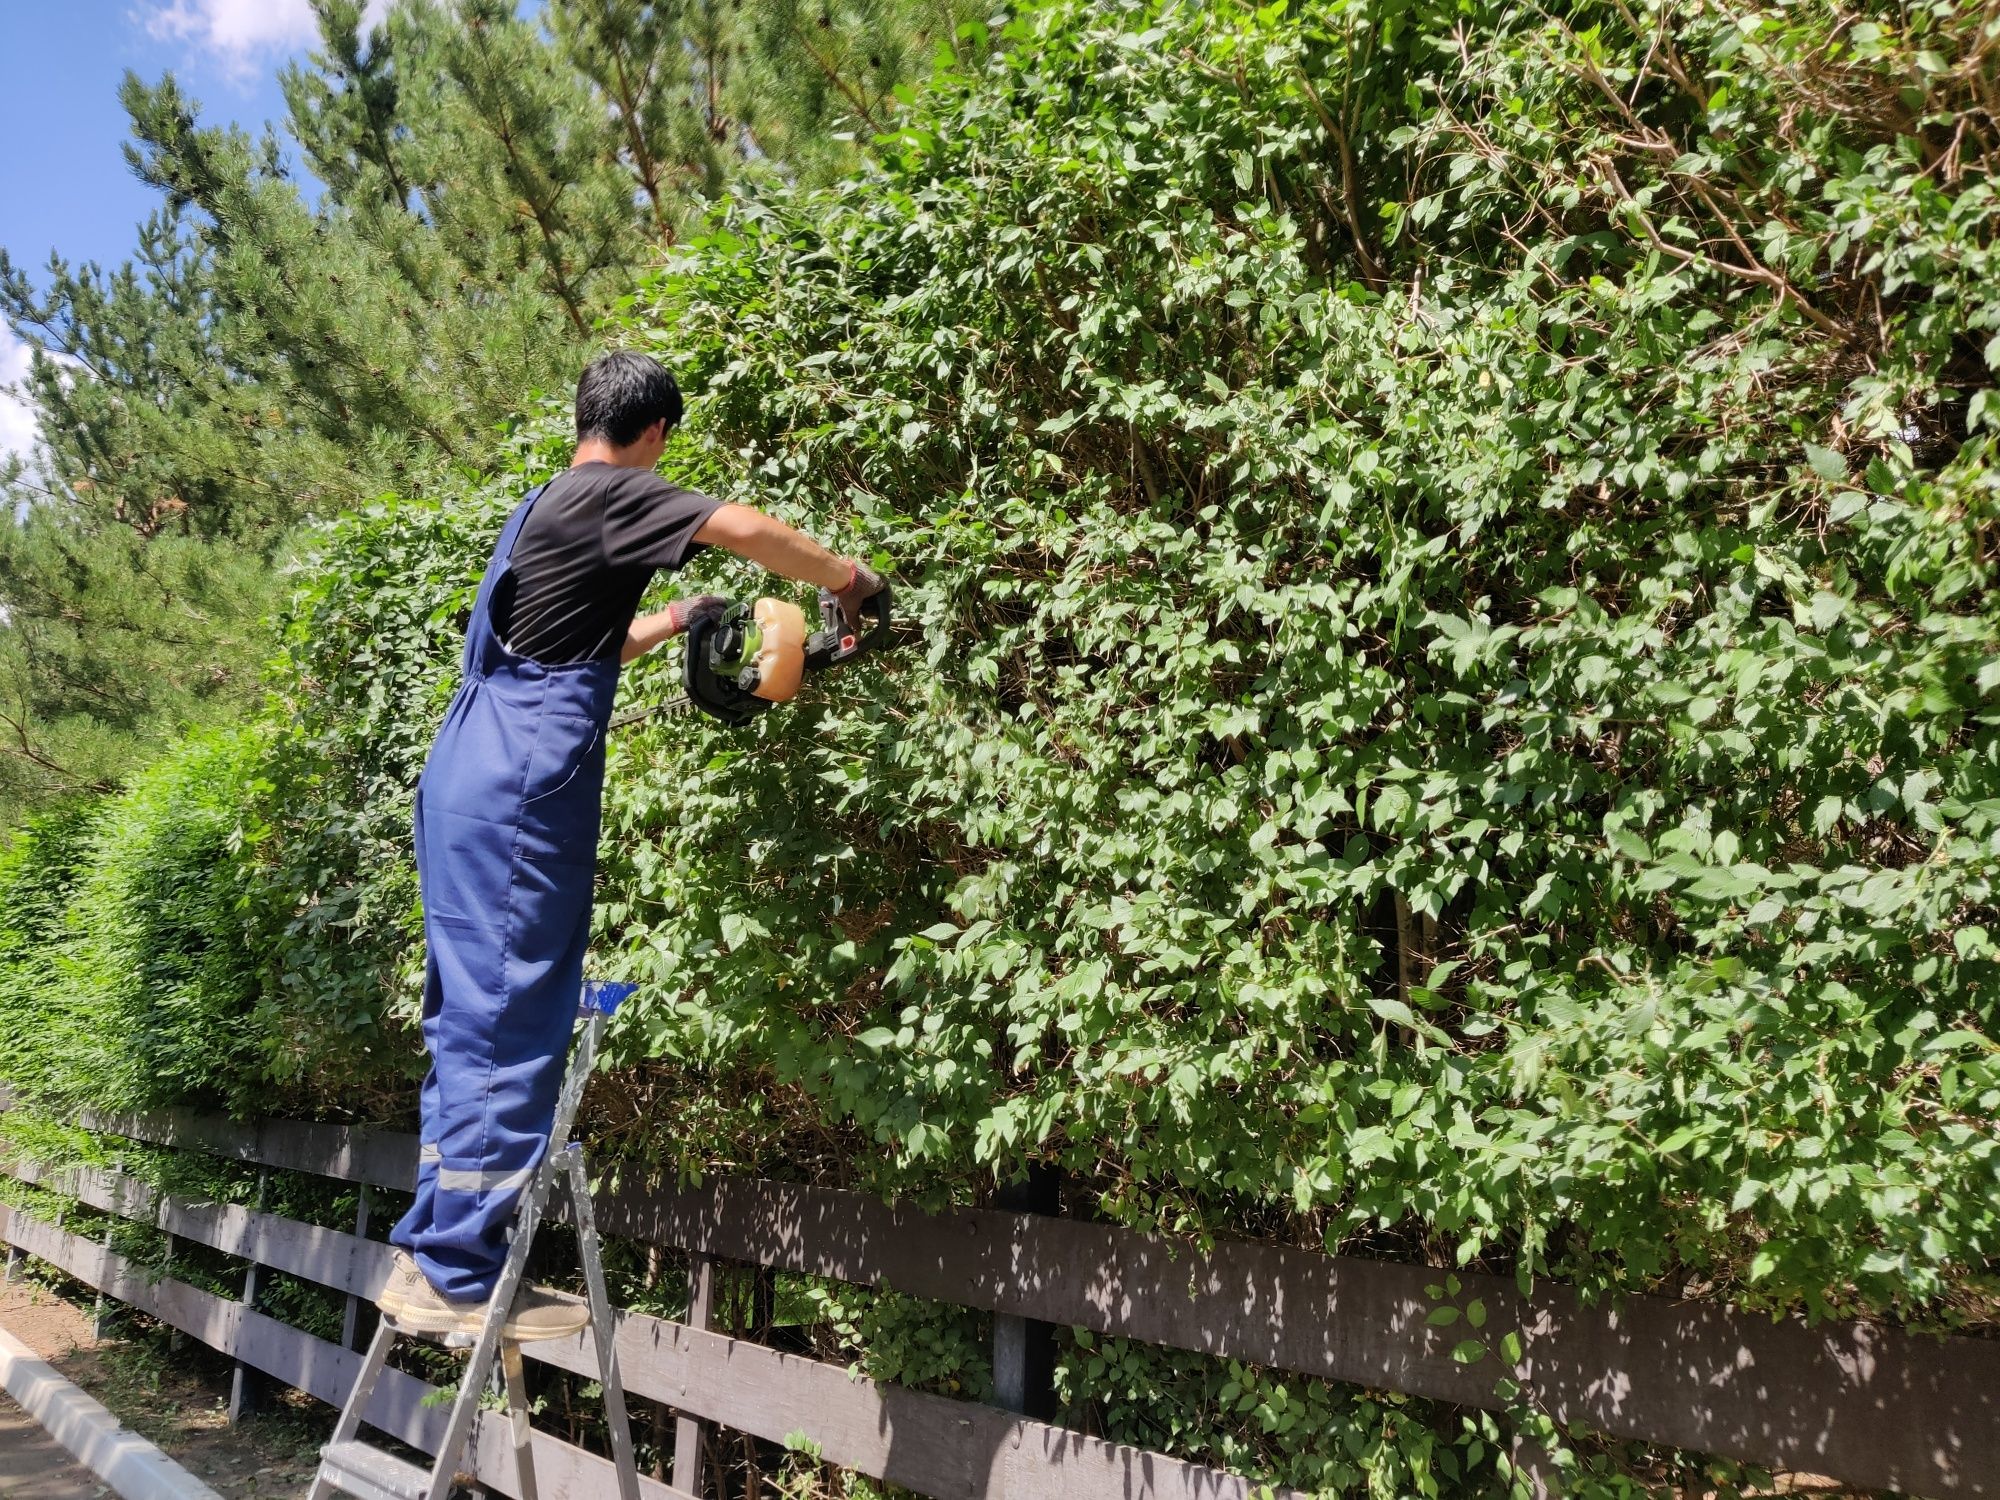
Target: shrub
(39, 872)
(129, 980)
(1450, 700)
(1450, 696)
(370, 657)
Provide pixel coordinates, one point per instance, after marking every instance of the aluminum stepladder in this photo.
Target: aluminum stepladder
(349, 1466)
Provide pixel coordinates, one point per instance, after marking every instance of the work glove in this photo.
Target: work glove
(682, 613)
(864, 584)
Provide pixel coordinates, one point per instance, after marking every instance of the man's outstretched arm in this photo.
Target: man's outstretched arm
(772, 545)
(648, 631)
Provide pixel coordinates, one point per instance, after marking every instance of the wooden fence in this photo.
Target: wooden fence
(1874, 1407)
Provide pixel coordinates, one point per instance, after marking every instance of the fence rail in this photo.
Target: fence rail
(1874, 1407)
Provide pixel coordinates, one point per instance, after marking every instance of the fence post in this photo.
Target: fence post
(1535, 1471)
(244, 1382)
(350, 1317)
(657, 1422)
(98, 1316)
(689, 1432)
(176, 1340)
(1024, 1349)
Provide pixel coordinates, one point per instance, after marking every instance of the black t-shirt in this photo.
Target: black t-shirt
(585, 555)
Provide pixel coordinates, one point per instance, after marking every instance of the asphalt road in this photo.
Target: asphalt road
(33, 1466)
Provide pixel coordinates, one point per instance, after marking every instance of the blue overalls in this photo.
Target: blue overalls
(507, 818)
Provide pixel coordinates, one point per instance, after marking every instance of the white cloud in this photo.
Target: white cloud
(235, 28)
(239, 31)
(17, 418)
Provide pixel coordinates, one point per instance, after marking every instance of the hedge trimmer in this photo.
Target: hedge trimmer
(751, 655)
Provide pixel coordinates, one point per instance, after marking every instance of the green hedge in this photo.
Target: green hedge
(1446, 708)
(125, 963)
(1484, 747)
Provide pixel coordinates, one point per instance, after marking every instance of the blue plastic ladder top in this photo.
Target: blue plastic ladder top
(602, 996)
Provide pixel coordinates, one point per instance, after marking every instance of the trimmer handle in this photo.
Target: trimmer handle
(833, 644)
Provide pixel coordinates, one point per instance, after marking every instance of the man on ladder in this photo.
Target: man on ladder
(507, 822)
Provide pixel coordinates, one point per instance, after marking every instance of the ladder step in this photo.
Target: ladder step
(354, 1468)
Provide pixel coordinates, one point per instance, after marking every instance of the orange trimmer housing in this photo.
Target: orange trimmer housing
(780, 658)
(753, 655)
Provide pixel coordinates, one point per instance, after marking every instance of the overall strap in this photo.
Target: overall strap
(480, 631)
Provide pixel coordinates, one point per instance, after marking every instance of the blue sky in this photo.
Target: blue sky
(64, 184)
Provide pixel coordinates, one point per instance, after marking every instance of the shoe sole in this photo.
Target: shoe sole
(442, 1322)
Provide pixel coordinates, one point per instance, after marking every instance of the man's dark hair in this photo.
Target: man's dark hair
(621, 395)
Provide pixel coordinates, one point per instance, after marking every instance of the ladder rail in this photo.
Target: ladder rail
(602, 1329)
(479, 1367)
(357, 1401)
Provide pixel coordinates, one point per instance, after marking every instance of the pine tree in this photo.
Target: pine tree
(139, 557)
(114, 639)
(131, 408)
(657, 69)
(317, 314)
(342, 110)
(705, 91)
(513, 157)
(817, 77)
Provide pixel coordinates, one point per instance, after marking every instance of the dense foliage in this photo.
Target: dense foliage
(124, 963)
(1504, 756)
(1447, 705)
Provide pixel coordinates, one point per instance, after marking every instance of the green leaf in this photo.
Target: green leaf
(1391, 1010)
(1960, 1041)
(1826, 463)
(1629, 844)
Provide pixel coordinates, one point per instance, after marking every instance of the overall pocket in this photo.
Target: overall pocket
(562, 799)
(563, 746)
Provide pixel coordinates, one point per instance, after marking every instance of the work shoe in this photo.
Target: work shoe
(414, 1305)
